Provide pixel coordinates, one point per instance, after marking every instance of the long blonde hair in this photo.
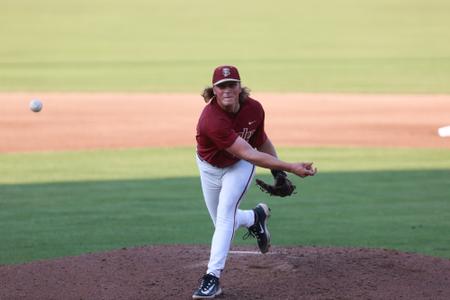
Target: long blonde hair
(208, 94)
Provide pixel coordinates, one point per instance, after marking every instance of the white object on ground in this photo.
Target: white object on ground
(444, 131)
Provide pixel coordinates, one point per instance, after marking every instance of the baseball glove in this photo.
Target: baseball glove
(282, 186)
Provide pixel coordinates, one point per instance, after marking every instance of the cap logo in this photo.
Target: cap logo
(226, 72)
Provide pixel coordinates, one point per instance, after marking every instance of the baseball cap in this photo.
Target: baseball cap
(225, 73)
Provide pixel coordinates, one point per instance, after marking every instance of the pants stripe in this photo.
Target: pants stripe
(239, 201)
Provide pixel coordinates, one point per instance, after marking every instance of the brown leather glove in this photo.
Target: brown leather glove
(282, 186)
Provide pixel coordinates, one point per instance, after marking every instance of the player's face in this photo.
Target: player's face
(227, 95)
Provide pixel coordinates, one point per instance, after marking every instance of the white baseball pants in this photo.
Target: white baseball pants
(223, 190)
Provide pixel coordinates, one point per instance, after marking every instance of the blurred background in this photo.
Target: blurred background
(398, 46)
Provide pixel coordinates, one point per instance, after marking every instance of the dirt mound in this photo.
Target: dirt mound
(172, 272)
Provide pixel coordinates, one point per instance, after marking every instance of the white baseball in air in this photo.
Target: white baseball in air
(36, 105)
(444, 131)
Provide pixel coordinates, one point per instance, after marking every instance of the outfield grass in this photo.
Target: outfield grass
(59, 204)
(172, 46)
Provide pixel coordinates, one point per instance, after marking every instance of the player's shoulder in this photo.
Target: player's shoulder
(212, 116)
(212, 109)
(252, 102)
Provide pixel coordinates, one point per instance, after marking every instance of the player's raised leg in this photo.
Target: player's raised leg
(259, 229)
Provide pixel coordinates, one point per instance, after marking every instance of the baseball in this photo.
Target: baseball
(36, 105)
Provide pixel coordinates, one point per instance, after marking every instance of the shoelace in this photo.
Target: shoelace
(252, 232)
(206, 282)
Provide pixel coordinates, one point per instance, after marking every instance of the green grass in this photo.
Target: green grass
(172, 46)
(59, 204)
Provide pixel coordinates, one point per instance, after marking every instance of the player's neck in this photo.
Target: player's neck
(236, 108)
(230, 108)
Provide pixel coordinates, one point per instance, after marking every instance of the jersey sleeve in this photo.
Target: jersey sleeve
(221, 134)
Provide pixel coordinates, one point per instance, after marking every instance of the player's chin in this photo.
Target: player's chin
(229, 100)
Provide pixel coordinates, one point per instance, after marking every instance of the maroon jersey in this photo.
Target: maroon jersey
(218, 130)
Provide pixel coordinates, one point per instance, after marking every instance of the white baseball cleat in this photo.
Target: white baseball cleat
(209, 288)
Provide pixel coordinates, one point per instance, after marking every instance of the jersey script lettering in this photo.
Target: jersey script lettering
(246, 134)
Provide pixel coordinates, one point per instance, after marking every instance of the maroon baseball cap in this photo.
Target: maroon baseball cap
(225, 73)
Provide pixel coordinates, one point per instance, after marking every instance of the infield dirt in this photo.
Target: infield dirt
(82, 121)
(91, 121)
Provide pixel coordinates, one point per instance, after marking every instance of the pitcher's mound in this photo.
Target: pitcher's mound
(172, 272)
